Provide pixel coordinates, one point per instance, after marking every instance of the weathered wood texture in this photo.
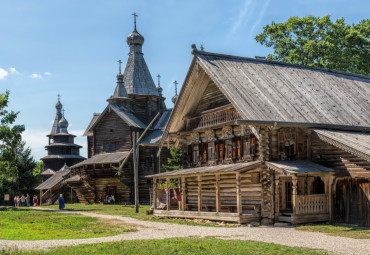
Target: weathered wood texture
(112, 129)
(344, 163)
(352, 201)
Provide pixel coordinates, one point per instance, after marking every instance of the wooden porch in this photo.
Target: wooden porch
(230, 193)
(302, 196)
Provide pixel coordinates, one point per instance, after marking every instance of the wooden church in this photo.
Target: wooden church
(268, 141)
(133, 105)
(62, 153)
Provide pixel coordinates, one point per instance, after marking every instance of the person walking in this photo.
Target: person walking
(28, 200)
(61, 202)
(15, 201)
(18, 201)
(23, 200)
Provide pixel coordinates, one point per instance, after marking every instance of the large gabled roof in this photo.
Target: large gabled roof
(263, 90)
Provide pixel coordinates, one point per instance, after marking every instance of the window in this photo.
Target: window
(228, 148)
(211, 151)
(195, 153)
(110, 146)
(203, 152)
(249, 146)
(287, 145)
(221, 150)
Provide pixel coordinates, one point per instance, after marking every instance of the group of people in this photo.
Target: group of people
(25, 200)
(108, 199)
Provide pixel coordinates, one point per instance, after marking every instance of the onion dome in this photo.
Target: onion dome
(58, 105)
(135, 38)
(63, 123)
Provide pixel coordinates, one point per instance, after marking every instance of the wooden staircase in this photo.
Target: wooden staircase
(84, 191)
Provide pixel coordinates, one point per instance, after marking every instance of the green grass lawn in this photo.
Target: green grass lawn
(176, 246)
(129, 211)
(28, 224)
(338, 230)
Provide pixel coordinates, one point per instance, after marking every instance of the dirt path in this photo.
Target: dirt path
(156, 230)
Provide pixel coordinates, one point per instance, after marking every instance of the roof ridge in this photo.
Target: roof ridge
(197, 52)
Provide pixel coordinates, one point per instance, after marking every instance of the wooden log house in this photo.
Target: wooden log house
(135, 102)
(268, 141)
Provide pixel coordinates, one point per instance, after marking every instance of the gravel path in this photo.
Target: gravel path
(156, 230)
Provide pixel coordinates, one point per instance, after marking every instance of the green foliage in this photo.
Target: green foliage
(192, 245)
(320, 42)
(39, 225)
(38, 168)
(16, 162)
(174, 162)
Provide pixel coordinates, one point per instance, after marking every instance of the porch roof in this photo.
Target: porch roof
(356, 143)
(104, 158)
(298, 167)
(209, 169)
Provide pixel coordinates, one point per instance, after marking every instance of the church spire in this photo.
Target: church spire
(174, 98)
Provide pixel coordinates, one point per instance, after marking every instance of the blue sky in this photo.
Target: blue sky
(71, 48)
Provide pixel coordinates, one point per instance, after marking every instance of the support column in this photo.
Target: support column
(168, 180)
(330, 197)
(183, 193)
(154, 193)
(277, 200)
(294, 193)
(218, 197)
(239, 208)
(199, 193)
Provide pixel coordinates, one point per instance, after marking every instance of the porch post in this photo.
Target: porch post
(154, 193)
(218, 198)
(294, 192)
(40, 202)
(183, 193)
(199, 193)
(330, 198)
(168, 180)
(277, 205)
(238, 194)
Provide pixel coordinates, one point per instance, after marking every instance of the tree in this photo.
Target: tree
(174, 162)
(320, 42)
(16, 162)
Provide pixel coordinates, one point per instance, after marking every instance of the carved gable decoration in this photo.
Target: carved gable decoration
(193, 138)
(255, 131)
(209, 136)
(244, 130)
(227, 132)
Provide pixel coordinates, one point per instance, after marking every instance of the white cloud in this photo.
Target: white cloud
(36, 76)
(12, 70)
(259, 17)
(3, 73)
(242, 15)
(47, 73)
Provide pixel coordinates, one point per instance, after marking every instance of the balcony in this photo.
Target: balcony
(213, 118)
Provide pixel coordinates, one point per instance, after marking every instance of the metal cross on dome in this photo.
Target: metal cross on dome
(58, 97)
(175, 82)
(159, 80)
(135, 15)
(119, 68)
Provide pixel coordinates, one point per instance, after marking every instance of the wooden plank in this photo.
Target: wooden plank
(238, 194)
(183, 193)
(218, 198)
(199, 193)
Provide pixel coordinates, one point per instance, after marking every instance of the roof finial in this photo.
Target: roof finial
(63, 112)
(135, 15)
(159, 81)
(175, 82)
(58, 97)
(119, 66)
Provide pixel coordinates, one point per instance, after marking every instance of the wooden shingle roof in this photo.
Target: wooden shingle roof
(356, 143)
(104, 158)
(265, 90)
(298, 167)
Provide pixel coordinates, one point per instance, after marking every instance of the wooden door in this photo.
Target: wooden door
(352, 202)
(288, 195)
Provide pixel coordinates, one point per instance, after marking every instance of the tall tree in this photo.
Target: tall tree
(16, 162)
(174, 162)
(320, 42)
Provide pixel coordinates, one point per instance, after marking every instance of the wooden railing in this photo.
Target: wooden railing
(212, 119)
(311, 204)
